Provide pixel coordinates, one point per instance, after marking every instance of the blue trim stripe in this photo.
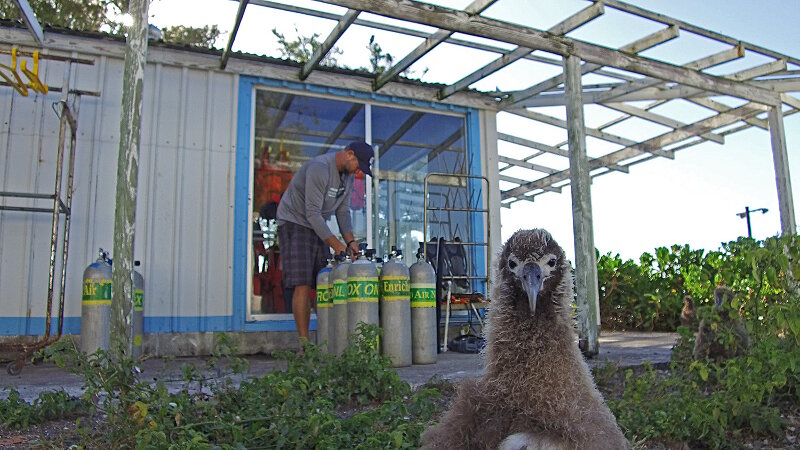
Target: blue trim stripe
(350, 93)
(242, 191)
(34, 326)
(476, 186)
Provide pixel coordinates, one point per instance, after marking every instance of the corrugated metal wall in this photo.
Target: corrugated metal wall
(184, 225)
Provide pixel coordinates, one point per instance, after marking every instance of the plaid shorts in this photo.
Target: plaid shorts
(303, 254)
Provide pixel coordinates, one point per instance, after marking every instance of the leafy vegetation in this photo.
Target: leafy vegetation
(102, 15)
(709, 403)
(303, 47)
(319, 401)
(648, 295)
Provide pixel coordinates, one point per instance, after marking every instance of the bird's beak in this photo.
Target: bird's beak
(532, 283)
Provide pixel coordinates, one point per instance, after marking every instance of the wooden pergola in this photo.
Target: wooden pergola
(762, 92)
(764, 88)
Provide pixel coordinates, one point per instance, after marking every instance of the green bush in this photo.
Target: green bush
(319, 401)
(716, 403)
(648, 295)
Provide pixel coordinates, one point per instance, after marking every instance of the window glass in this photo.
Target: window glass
(409, 146)
(290, 129)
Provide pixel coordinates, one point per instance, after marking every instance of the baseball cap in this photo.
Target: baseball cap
(364, 154)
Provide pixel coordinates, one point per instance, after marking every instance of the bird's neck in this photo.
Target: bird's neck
(511, 336)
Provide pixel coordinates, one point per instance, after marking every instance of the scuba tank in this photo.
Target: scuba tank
(337, 326)
(396, 310)
(96, 305)
(138, 311)
(324, 306)
(362, 293)
(423, 311)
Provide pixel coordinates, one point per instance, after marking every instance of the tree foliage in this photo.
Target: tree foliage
(378, 59)
(102, 15)
(84, 15)
(202, 37)
(303, 47)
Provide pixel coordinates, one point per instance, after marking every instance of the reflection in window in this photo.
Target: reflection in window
(289, 130)
(409, 146)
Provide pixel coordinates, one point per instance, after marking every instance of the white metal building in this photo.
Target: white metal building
(205, 132)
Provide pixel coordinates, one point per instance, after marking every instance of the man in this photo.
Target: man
(320, 188)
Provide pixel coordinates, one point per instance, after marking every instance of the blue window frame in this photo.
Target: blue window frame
(436, 138)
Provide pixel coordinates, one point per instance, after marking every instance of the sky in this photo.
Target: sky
(693, 199)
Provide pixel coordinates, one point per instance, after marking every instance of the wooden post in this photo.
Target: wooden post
(585, 257)
(780, 159)
(127, 175)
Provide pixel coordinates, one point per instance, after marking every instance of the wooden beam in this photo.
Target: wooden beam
(720, 108)
(30, 21)
(330, 41)
(483, 72)
(791, 101)
(527, 165)
(401, 130)
(641, 12)
(458, 21)
(700, 127)
(588, 300)
(532, 144)
(622, 92)
(122, 297)
(565, 26)
(700, 64)
(658, 118)
(521, 181)
(348, 117)
(783, 181)
(474, 8)
(227, 52)
(450, 140)
(429, 43)
(637, 46)
(603, 135)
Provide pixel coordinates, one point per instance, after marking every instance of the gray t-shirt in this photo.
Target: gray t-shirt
(316, 191)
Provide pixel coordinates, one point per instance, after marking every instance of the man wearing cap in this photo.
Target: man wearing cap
(319, 189)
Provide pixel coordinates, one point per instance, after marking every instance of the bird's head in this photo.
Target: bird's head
(530, 267)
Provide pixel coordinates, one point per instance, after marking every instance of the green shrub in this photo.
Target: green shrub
(319, 401)
(716, 403)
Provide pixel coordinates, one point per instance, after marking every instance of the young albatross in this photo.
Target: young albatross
(537, 391)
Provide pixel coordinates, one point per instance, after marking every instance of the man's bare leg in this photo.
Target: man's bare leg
(301, 309)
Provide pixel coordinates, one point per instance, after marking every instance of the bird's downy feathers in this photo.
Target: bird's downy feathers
(537, 391)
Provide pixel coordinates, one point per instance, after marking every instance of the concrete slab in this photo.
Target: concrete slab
(625, 349)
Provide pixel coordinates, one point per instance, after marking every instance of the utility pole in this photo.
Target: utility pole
(127, 181)
(746, 215)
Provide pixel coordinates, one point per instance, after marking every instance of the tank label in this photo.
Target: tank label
(138, 296)
(362, 290)
(96, 292)
(394, 288)
(423, 295)
(324, 299)
(339, 292)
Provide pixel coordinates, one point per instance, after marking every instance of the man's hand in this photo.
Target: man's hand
(336, 245)
(352, 248)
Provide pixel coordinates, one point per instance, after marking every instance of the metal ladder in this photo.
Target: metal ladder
(459, 182)
(61, 199)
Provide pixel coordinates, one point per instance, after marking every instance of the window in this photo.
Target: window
(410, 144)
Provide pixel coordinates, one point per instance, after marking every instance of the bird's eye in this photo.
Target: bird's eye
(512, 264)
(552, 262)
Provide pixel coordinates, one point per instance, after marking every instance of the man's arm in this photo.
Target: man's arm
(345, 224)
(316, 185)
